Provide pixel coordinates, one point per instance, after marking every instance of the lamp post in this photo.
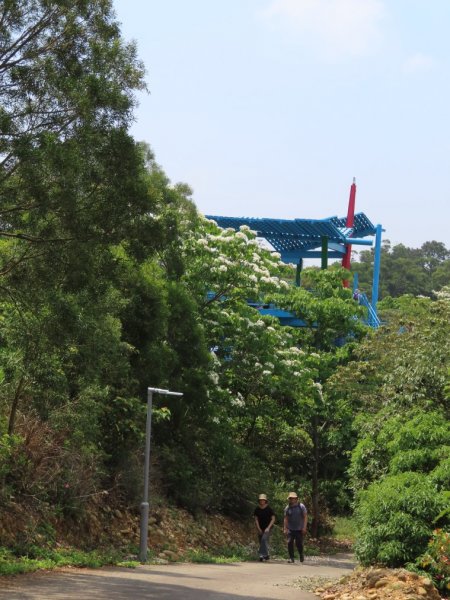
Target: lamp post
(144, 503)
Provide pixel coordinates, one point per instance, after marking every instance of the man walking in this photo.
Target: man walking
(295, 521)
(264, 520)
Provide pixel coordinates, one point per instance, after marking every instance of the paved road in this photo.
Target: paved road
(238, 581)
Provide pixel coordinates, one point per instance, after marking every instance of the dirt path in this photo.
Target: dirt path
(250, 580)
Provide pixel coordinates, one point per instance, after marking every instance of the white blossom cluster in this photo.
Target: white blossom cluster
(231, 261)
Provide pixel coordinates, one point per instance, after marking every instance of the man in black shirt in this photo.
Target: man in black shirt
(264, 520)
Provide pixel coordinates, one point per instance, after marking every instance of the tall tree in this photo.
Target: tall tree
(68, 169)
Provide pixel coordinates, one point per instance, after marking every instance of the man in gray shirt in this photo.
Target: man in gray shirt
(295, 522)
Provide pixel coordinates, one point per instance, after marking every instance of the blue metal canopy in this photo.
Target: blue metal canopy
(299, 238)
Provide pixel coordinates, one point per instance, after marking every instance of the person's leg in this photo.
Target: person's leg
(261, 549)
(290, 545)
(299, 544)
(265, 544)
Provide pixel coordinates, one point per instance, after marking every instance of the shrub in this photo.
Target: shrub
(441, 475)
(8, 452)
(401, 443)
(395, 519)
(435, 562)
(40, 462)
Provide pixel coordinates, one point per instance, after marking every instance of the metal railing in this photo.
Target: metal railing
(372, 317)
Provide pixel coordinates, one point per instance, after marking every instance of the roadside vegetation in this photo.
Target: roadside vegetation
(111, 281)
(38, 558)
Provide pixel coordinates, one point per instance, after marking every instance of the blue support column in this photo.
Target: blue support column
(355, 281)
(376, 268)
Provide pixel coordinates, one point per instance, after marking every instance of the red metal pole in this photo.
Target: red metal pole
(349, 223)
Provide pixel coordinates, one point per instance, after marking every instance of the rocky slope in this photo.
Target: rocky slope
(380, 584)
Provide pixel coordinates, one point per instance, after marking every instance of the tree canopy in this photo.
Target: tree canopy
(111, 281)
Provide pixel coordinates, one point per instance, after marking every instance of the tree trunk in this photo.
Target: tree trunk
(15, 404)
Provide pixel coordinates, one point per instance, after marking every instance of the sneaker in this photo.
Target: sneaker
(291, 561)
(261, 559)
(266, 557)
(302, 557)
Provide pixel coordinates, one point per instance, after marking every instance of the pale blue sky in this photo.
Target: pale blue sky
(269, 108)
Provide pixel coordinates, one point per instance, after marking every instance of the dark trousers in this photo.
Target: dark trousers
(295, 535)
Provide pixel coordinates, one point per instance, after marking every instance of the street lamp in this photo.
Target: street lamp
(148, 433)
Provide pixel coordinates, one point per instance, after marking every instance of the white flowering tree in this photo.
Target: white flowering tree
(265, 393)
(227, 265)
(262, 381)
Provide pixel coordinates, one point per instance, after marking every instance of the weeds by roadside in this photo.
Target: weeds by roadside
(41, 558)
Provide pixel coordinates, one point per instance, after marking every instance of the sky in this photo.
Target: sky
(270, 108)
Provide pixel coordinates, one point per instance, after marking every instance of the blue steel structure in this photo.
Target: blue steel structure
(299, 239)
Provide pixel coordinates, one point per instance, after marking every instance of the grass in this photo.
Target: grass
(14, 563)
(344, 529)
(222, 556)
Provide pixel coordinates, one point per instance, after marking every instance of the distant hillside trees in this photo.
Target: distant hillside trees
(417, 271)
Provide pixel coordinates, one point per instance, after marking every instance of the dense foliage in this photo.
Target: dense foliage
(406, 270)
(399, 467)
(111, 282)
(435, 562)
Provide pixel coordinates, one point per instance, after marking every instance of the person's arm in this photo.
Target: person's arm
(270, 525)
(285, 524)
(257, 525)
(305, 523)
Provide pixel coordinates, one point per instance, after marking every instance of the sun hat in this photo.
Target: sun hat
(292, 495)
(262, 497)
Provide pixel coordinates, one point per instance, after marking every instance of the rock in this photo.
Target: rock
(381, 584)
(398, 585)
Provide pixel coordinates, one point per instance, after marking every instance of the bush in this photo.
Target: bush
(395, 519)
(41, 463)
(441, 475)
(435, 562)
(411, 441)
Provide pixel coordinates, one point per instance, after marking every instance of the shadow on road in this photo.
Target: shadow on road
(94, 587)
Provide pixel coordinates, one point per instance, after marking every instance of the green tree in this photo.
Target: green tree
(333, 328)
(68, 167)
(395, 518)
(406, 270)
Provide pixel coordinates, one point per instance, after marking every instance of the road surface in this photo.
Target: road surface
(274, 580)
